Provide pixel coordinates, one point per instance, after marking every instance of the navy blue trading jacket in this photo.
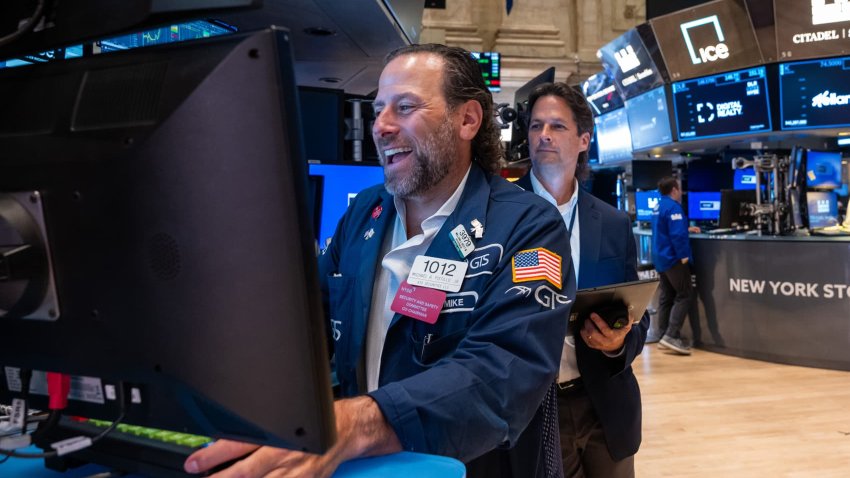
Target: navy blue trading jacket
(493, 351)
(670, 241)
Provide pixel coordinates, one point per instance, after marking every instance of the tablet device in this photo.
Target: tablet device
(614, 302)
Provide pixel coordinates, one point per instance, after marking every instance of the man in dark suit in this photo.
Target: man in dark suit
(598, 399)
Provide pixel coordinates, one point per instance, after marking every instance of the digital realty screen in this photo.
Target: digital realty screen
(710, 38)
(341, 185)
(823, 169)
(601, 94)
(823, 209)
(720, 105)
(630, 65)
(815, 93)
(704, 206)
(614, 141)
(645, 204)
(649, 119)
(813, 29)
(491, 68)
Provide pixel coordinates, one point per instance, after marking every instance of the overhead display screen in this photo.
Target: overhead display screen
(649, 119)
(601, 94)
(812, 28)
(491, 69)
(815, 94)
(614, 141)
(707, 39)
(721, 105)
(629, 64)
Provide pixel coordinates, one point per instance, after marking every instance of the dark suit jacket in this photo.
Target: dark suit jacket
(608, 255)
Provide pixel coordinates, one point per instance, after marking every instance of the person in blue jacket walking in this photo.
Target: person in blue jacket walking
(671, 251)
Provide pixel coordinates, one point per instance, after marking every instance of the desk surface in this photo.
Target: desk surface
(406, 464)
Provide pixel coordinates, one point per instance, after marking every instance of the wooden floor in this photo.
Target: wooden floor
(712, 415)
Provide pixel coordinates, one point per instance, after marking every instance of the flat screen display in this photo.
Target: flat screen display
(823, 169)
(629, 64)
(491, 68)
(601, 94)
(169, 34)
(721, 105)
(812, 29)
(341, 183)
(815, 94)
(709, 175)
(745, 180)
(645, 203)
(704, 206)
(322, 123)
(614, 141)
(647, 172)
(649, 119)
(707, 39)
(823, 209)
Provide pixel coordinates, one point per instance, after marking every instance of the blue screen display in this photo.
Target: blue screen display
(745, 179)
(823, 209)
(704, 206)
(613, 139)
(823, 169)
(649, 119)
(645, 203)
(341, 185)
(815, 94)
(722, 105)
(173, 33)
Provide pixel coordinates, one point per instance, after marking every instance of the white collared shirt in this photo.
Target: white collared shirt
(398, 255)
(569, 365)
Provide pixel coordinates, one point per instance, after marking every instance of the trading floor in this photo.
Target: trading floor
(713, 415)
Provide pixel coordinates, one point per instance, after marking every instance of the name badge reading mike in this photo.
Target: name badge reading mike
(436, 273)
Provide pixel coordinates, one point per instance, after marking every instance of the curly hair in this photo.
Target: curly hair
(462, 82)
(582, 116)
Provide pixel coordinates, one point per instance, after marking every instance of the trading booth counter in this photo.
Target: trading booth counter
(774, 298)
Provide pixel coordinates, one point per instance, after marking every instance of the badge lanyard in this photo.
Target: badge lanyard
(572, 220)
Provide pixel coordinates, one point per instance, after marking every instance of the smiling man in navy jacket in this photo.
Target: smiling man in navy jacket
(599, 399)
(466, 379)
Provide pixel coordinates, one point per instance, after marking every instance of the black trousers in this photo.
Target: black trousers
(583, 447)
(675, 299)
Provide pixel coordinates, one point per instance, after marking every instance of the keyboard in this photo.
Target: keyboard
(832, 231)
(129, 448)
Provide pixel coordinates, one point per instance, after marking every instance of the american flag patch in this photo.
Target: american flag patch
(536, 264)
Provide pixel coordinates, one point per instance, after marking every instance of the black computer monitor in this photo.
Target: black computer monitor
(704, 206)
(647, 172)
(322, 122)
(730, 207)
(709, 174)
(166, 193)
(823, 169)
(744, 179)
(519, 132)
(822, 207)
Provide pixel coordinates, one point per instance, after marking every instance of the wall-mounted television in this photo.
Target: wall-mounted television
(649, 119)
(722, 105)
(601, 94)
(491, 68)
(710, 38)
(815, 94)
(704, 206)
(614, 140)
(630, 65)
(646, 202)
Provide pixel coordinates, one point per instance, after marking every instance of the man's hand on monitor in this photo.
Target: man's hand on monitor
(361, 431)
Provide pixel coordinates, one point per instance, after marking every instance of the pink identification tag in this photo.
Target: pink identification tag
(421, 303)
